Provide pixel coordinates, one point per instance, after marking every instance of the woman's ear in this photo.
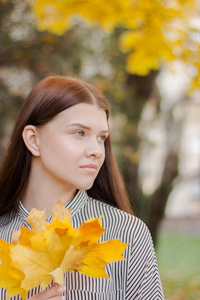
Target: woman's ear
(30, 137)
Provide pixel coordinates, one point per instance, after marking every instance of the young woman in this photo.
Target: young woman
(61, 148)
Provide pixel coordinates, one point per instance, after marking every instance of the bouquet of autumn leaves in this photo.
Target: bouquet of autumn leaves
(49, 250)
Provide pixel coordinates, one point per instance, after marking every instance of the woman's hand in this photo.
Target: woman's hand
(54, 293)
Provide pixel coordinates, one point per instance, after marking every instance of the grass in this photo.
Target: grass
(178, 258)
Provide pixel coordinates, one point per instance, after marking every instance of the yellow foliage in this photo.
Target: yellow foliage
(157, 31)
(48, 251)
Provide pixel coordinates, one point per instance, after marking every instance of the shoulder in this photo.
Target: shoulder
(120, 224)
(8, 223)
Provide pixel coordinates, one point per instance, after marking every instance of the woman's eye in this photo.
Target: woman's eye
(79, 133)
(102, 138)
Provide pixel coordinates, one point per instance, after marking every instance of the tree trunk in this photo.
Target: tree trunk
(159, 199)
(150, 209)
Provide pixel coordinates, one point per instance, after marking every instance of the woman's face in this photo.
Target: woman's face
(72, 146)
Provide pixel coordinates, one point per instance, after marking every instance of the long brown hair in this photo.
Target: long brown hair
(48, 98)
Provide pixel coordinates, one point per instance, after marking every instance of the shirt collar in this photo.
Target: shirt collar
(76, 203)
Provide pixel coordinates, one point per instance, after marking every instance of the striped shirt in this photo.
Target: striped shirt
(136, 277)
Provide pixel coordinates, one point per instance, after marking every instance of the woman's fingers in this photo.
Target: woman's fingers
(54, 293)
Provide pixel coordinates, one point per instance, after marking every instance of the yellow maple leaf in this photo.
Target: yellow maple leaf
(49, 250)
(10, 276)
(38, 260)
(99, 255)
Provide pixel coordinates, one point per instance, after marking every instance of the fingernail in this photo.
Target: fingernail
(63, 298)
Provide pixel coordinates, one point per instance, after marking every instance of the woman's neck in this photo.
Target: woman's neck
(44, 201)
(42, 194)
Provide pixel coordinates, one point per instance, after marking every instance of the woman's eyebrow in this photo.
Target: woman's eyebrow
(86, 127)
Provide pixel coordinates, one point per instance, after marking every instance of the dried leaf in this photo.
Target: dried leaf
(59, 210)
(16, 235)
(37, 220)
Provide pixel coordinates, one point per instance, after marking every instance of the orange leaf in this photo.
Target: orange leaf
(92, 230)
(22, 236)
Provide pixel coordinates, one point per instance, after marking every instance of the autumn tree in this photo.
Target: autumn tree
(155, 32)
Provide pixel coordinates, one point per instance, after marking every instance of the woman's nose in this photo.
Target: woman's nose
(94, 149)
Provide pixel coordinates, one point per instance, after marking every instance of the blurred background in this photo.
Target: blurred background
(145, 58)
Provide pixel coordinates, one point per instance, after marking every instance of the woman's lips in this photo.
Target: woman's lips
(90, 167)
